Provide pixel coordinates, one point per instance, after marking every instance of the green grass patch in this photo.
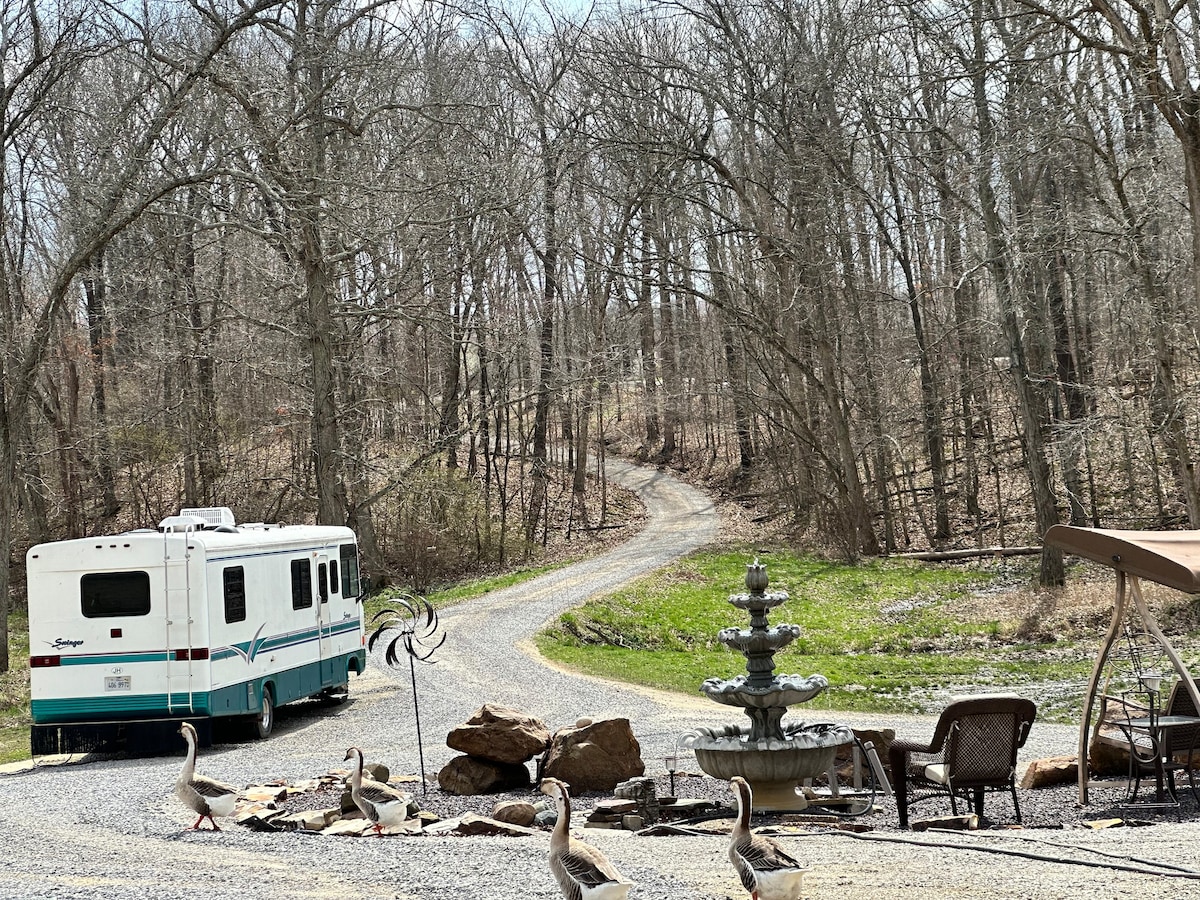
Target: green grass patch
(457, 593)
(14, 692)
(891, 636)
(879, 606)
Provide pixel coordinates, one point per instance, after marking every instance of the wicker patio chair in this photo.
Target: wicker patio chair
(973, 751)
(1126, 725)
(1181, 741)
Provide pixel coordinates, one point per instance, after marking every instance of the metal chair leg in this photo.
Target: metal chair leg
(1191, 774)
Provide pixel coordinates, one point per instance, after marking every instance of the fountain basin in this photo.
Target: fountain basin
(783, 690)
(756, 641)
(773, 766)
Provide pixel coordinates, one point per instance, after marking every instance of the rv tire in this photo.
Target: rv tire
(264, 722)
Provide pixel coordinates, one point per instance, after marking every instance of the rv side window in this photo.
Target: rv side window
(301, 584)
(334, 579)
(322, 583)
(349, 556)
(106, 594)
(235, 594)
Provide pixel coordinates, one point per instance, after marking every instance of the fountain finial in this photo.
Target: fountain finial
(756, 577)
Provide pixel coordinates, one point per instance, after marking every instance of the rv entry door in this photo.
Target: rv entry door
(324, 620)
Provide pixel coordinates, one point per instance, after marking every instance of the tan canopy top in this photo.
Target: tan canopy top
(1166, 557)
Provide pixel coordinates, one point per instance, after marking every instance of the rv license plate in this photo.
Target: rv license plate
(117, 683)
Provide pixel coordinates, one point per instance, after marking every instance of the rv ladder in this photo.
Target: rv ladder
(176, 596)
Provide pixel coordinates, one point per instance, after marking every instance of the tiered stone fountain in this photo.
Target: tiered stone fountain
(773, 757)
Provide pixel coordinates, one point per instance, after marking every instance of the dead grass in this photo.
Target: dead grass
(1080, 611)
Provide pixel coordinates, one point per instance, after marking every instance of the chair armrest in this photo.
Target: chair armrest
(903, 747)
(900, 752)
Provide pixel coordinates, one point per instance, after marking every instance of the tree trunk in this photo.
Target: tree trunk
(735, 367)
(1055, 269)
(649, 342)
(94, 290)
(448, 423)
(203, 450)
(327, 462)
(8, 467)
(328, 469)
(931, 412)
(1030, 404)
(672, 388)
(540, 475)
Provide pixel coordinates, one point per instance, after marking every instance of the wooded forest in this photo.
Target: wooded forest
(903, 275)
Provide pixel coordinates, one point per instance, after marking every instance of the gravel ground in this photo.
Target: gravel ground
(110, 828)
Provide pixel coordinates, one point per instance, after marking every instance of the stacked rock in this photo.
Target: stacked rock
(497, 742)
(616, 813)
(643, 792)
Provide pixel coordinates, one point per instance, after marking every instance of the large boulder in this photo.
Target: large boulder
(1105, 759)
(1048, 772)
(500, 734)
(596, 757)
(469, 776)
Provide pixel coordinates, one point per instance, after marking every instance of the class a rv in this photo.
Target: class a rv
(198, 620)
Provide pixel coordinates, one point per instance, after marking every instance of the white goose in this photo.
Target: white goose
(382, 804)
(206, 797)
(583, 872)
(766, 869)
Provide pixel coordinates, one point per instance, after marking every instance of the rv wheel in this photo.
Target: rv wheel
(264, 722)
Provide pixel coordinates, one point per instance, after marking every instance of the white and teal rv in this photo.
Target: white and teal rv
(197, 620)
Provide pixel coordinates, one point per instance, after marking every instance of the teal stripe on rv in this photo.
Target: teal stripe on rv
(341, 627)
(275, 642)
(69, 709)
(107, 659)
(283, 551)
(239, 698)
(291, 639)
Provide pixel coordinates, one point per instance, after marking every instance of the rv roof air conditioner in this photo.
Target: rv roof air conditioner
(215, 518)
(212, 515)
(179, 524)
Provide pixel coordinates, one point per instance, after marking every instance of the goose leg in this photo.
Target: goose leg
(196, 824)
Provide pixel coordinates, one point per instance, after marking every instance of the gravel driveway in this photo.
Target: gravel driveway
(112, 829)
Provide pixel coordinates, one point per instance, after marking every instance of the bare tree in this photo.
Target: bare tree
(39, 57)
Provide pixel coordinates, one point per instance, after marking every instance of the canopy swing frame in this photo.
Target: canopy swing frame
(1169, 558)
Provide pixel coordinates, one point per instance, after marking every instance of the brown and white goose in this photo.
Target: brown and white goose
(583, 872)
(382, 804)
(206, 797)
(766, 869)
